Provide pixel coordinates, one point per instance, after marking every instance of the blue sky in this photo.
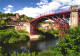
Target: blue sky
(18, 4)
(33, 8)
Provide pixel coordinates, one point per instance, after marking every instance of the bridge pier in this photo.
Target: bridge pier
(74, 16)
(34, 37)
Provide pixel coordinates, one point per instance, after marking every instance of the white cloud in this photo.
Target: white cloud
(65, 7)
(44, 7)
(69, 2)
(31, 12)
(8, 9)
(43, 2)
(64, 1)
(4, 8)
(10, 6)
(75, 2)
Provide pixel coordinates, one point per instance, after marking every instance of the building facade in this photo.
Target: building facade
(48, 26)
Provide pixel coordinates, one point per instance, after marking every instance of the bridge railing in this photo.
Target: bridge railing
(55, 11)
(61, 10)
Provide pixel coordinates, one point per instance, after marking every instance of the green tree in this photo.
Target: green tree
(0, 14)
(8, 20)
(70, 45)
(2, 23)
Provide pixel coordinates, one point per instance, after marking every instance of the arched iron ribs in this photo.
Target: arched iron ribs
(36, 24)
(62, 24)
(33, 27)
(57, 21)
(57, 18)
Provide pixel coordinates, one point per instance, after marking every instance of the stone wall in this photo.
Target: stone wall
(27, 27)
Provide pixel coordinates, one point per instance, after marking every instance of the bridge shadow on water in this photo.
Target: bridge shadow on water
(46, 35)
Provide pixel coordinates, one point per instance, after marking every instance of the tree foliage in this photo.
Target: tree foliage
(70, 45)
(11, 36)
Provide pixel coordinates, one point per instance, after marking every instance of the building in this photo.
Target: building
(20, 26)
(48, 26)
(23, 26)
(26, 26)
(14, 18)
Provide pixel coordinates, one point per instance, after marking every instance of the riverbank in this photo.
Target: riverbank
(9, 35)
(49, 34)
(69, 46)
(29, 46)
(12, 36)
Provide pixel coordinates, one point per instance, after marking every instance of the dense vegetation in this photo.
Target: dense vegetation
(48, 34)
(5, 22)
(21, 17)
(8, 34)
(11, 36)
(6, 15)
(69, 46)
(24, 18)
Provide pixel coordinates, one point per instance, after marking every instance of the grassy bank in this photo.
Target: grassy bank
(12, 36)
(9, 35)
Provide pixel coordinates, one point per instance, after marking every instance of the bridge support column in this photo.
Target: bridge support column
(74, 16)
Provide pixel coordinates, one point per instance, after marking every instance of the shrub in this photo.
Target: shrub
(23, 37)
(11, 37)
(21, 31)
(22, 54)
(41, 28)
(70, 45)
(13, 40)
(47, 53)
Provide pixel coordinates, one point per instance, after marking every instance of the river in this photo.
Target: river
(32, 46)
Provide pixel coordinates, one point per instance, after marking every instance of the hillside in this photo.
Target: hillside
(15, 17)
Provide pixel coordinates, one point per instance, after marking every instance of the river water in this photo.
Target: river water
(32, 46)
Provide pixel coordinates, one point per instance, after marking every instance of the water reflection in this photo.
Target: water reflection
(43, 46)
(32, 46)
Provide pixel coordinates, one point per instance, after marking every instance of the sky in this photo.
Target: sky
(33, 8)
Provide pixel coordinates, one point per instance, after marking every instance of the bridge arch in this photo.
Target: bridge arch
(60, 18)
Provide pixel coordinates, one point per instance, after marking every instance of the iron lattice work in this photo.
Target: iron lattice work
(59, 16)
